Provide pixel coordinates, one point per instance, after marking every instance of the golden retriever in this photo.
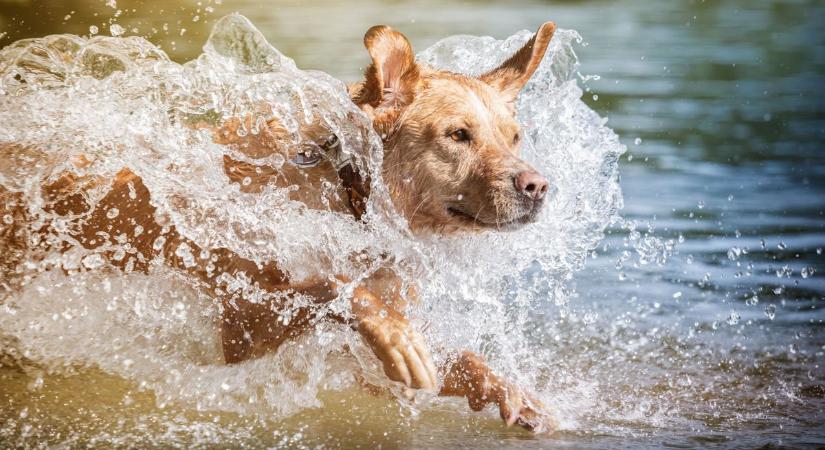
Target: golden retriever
(452, 165)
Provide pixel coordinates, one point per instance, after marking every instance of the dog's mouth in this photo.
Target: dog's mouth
(467, 218)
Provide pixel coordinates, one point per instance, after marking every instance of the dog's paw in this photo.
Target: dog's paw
(401, 349)
(521, 408)
(470, 376)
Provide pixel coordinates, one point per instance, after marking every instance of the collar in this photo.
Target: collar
(355, 185)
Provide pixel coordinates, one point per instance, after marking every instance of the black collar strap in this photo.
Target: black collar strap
(356, 186)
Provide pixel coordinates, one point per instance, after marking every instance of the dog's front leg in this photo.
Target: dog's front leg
(401, 349)
(249, 330)
(469, 376)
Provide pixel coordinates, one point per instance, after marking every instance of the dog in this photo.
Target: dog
(451, 163)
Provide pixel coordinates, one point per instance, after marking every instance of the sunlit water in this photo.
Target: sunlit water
(696, 321)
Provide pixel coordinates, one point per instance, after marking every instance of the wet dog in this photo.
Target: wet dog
(451, 162)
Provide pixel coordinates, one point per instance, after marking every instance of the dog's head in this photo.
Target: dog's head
(451, 142)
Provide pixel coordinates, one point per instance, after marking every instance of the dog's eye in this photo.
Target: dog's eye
(516, 138)
(460, 135)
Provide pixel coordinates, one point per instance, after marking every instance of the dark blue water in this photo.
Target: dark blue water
(721, 106)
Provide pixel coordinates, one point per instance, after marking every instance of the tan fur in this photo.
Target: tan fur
(438, 182)
(514, 73)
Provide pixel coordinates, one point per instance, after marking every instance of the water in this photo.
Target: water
(690, 342)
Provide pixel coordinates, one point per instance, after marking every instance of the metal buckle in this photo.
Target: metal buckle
(312, 156)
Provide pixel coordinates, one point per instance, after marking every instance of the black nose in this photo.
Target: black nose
(531, 184)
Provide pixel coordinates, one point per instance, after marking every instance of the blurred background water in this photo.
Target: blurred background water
(720, 324)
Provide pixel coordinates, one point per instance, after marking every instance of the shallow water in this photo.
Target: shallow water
(692, 343)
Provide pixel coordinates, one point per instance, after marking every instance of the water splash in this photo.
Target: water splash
(120, 102)
(499, 282)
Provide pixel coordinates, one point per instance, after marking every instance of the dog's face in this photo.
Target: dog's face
(451, 141)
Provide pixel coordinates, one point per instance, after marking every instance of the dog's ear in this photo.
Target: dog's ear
(514, 73)
(393, 74)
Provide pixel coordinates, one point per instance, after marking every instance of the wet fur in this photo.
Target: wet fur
(439, 184)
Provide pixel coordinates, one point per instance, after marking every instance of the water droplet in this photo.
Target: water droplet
(784, 271)
(112, 213)
(93, 30)
(184, 252)
(730, 197)
(700, 204)
(111, 4)
(116, 30)
(677, 294)
(8, 219)
(637, 141)
(807, 272)
(132, 191)
(159, 242)
(93, 261)
(781, 246)
(770, 311)
(733, 318)
(595, 97)
(246, 181)
(779, 290)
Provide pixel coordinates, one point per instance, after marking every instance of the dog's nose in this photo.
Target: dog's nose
(531, 184)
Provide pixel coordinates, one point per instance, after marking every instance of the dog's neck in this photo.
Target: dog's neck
(384, 122)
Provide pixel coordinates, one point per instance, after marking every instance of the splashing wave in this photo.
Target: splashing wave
(120, 102)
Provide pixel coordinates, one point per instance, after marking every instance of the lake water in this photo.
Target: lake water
(714, 336)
